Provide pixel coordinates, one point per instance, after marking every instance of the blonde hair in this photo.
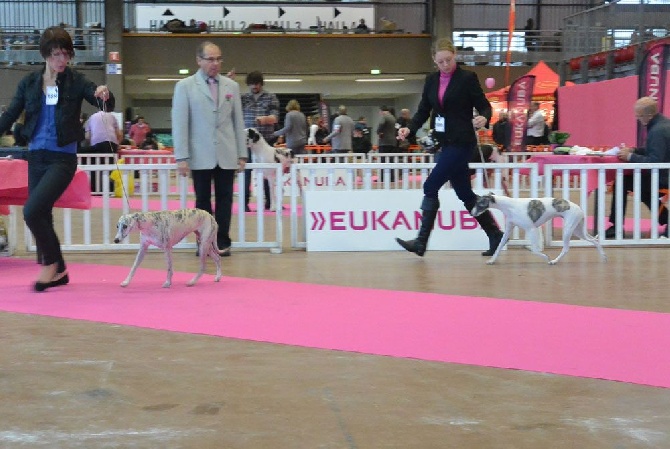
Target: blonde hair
(443, 44)
(293, 105)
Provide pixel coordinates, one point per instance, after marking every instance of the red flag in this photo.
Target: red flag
(518, 101)
(510, 33)
(651, 80)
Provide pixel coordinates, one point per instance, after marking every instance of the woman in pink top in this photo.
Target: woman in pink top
(449, 97)
(138, 132)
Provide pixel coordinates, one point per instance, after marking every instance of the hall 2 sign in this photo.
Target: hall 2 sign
(370, 220)
(234, 17)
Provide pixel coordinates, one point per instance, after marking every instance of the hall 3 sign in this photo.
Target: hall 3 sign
(370, 220)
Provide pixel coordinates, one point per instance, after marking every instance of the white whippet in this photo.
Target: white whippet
(164, 229)
(530, 214)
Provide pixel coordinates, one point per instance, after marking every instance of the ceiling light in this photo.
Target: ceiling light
(379, 80)
(283, 80)
(375, 72)
(183, 71)
(164, 79)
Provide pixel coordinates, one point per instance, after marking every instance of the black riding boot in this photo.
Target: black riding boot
(429, 208)
(489, 225)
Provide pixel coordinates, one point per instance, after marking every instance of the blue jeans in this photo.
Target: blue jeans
(224, 181)
(49, 174)
(452, 166)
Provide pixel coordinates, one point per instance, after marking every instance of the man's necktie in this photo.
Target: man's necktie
(214, 89)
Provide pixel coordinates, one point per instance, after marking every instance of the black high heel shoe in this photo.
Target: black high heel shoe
(63, 280)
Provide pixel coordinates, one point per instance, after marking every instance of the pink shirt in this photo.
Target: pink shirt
(445, 78)
(138, 132)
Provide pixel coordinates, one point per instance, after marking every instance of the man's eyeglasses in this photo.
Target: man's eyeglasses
(212, 59)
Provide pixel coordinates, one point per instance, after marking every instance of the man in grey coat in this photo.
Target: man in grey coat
(208, 137)
(343, 131)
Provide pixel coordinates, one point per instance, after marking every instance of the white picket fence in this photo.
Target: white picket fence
(158, 187)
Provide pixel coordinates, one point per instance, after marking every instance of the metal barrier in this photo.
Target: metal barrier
(606, 173)
(93, 230)
(84, 159)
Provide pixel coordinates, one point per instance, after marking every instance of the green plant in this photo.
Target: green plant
(558, 137)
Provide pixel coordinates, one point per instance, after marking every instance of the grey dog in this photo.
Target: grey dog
(164, 229)
(530, 214)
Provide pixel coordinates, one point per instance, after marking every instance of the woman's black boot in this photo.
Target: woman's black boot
(489, 225)
(429, 208)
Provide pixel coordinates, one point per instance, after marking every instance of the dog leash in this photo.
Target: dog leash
(481, 157)
(103, 109)
(486, 175)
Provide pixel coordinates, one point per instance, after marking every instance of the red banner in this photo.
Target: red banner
(518, 102)
(651, 80)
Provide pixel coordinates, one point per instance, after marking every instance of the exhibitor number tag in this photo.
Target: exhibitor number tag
(52, 95)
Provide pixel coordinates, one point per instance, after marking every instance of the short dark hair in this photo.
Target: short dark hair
(254, 77)
(56, 38)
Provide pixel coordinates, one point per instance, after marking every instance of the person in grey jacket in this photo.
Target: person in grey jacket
(295, 128)
(51, 99)
(656, 150)
(343, 131)
(386, 131)
(208, 137)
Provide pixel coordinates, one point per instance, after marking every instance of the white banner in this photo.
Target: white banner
(370, 220)
(233, 17)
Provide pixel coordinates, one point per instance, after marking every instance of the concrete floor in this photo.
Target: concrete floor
(74, 384)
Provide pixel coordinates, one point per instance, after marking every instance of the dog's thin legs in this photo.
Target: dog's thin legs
(567, 235)
(503, 241)
(581, 232)
(535, 236)
(204, 252)
(138, 261)
(214, 254)
(168, 259)
(208, 247)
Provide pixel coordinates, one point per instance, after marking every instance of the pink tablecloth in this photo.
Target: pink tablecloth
(14, 186)
(592, 182)
(134, 156)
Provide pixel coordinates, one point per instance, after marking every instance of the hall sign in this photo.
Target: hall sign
(238, 18)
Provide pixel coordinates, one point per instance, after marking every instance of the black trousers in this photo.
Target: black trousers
(247, 189)
(224, 181)
(645, 196)
(49, 174)
(105, 147)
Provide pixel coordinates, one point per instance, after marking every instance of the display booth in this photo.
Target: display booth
(544, 91)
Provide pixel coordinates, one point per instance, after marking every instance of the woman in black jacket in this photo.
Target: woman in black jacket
(51, 99)
(448, 98)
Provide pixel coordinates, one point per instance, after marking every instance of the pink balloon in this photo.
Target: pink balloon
(490, 82)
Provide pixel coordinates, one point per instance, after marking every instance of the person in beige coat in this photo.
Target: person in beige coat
(208, 137)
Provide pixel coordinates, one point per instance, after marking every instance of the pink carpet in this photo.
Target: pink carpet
(620, 345)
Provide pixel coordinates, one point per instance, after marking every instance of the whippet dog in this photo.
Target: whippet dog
(164, 229)
(530, 214)
(263, 152)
